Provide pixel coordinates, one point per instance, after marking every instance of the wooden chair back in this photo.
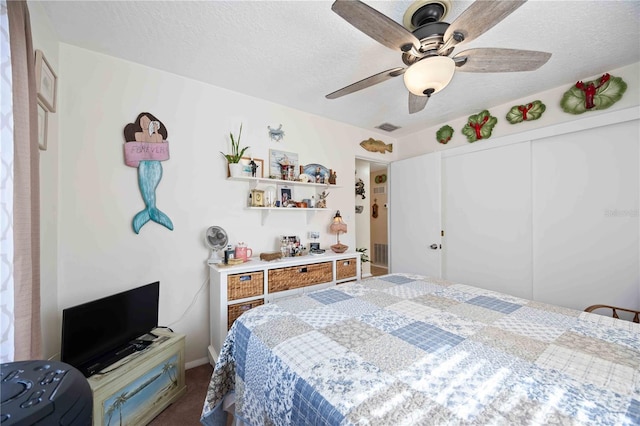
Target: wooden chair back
(614, 309)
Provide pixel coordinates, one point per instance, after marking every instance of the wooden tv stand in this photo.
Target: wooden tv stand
(141, 385)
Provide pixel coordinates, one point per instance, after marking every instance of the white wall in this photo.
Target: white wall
(100, 254)
(425, 141)
(45, 39)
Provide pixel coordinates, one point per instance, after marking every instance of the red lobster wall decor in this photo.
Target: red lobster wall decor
(445, 134)
(593, 95)
(479, 126)
(531, 111)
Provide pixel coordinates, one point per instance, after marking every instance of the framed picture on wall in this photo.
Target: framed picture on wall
(247, 169)
(43, 117)
(283, 165)
(46, 82)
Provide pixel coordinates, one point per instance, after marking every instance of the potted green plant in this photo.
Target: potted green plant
(233, 159)
(363, 254)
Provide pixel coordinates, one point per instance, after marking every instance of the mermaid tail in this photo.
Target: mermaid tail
(149, 175)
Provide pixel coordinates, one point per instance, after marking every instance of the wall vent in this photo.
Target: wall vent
(380, 254)
(387, 127)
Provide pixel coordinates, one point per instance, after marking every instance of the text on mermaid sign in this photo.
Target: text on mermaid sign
(135, 152)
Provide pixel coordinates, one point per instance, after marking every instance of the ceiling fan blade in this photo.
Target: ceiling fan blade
(417, 103)
(379, 27)
(500, 60)
(367, 82)
(476, 19)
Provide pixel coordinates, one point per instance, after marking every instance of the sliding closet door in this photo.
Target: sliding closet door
(414, 209)
(585, 217)
(487, 219)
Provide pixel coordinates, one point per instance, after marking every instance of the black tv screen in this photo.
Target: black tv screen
(98, 333)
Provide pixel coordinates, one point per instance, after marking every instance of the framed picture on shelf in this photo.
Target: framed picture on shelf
(46, 82)
(247, 167)
(283, 165)
(42, 126)
(317, 173)
(285, 195)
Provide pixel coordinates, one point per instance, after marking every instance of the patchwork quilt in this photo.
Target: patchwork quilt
(404, 349)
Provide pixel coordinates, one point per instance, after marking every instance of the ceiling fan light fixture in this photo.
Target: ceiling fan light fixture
(429, 75)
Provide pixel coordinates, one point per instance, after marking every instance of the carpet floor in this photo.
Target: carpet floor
(186, 410)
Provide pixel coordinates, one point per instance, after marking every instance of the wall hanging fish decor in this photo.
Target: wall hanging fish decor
(593, 95)
(145, 147)
(374, 145)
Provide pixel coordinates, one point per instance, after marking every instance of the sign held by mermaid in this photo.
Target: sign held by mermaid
(145, 147)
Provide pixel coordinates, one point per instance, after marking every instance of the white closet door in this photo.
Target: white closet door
(414, 209)
(585, 217)
(487, 219)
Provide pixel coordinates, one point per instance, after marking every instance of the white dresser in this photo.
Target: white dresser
(236, 289)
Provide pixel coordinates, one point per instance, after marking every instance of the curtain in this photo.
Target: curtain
(6, 195)
(26, 193)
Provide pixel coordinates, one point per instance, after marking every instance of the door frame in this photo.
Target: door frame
(369, 195)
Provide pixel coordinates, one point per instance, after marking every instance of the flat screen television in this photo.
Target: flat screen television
(99, 333)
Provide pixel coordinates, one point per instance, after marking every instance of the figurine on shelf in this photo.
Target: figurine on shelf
(254, 167)
(322, 200)
(332, 177)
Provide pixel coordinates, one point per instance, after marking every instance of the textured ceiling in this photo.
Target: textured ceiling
(295, 52)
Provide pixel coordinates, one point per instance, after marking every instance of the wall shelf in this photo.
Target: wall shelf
(254, 182)
(267, 210)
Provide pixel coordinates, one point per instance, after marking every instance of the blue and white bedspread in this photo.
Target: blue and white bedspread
(403, 349)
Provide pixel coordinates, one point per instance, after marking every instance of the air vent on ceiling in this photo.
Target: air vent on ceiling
(387, 127)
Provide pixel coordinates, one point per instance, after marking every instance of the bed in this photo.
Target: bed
(406, 349)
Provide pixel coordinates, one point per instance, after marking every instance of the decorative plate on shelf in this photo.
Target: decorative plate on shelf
(313, 169)
(593, 95)
(381, 178)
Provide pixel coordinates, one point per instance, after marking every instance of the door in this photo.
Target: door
(487, 218)
(415, 218)
(585, 211)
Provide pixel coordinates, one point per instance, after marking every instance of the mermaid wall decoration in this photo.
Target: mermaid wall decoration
(145, 147)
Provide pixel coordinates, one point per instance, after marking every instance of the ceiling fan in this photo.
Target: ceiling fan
(426, 43)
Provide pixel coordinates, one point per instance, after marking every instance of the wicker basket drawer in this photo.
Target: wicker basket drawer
(346, 268)
(234, 311)
(244, 285)
(281, 279)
